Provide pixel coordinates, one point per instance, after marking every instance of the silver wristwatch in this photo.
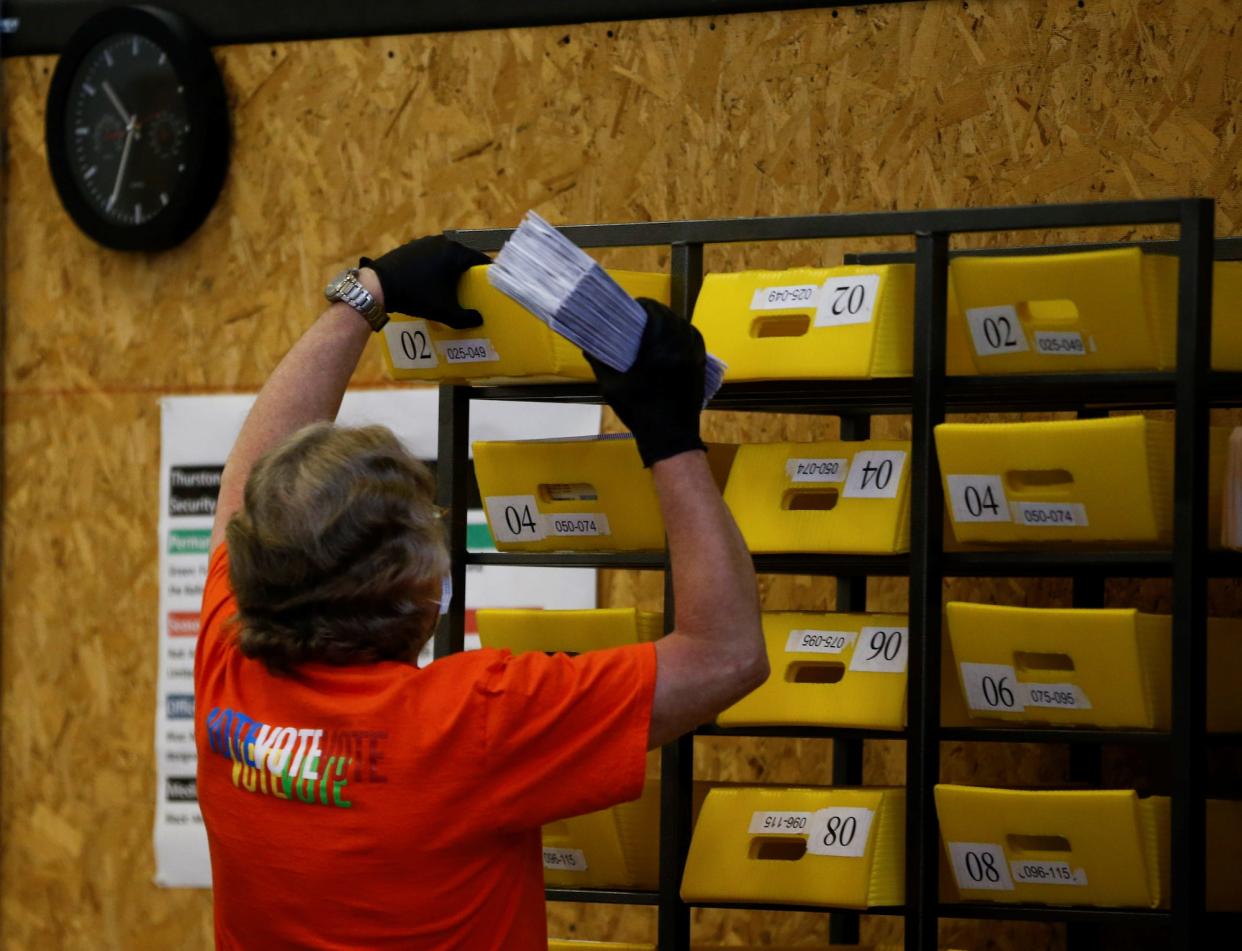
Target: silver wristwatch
(346, 287)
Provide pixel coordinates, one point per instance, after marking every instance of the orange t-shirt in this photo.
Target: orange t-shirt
(387, 806)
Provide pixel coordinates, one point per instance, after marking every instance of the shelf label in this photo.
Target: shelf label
(978, 498)
(1046, 873)
(515, 518)
(409, 345)
(1057, 696)
(992, 688)
(996, 330)
(816, 470)
(577, 524)
(475, 350)
(565, 860)
(807, 641)
(980, 866)
(786, 297)
(875, 474)
(1060, 343)
(882, 650)
(1049, 514)
(841, 831)
(779, 823)
(847, 300)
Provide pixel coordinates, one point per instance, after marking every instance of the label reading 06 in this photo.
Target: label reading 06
(992, 687)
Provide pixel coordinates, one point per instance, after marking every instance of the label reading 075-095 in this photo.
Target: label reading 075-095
(807, 641)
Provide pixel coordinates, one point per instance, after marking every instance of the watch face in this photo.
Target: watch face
(137, 128)
(126, 129)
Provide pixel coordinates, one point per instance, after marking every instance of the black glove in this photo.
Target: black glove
(420, 279)
(659, 398)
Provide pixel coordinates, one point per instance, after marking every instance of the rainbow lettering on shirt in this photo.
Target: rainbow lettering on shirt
(280, 761)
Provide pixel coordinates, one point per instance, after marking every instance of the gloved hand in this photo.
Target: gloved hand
(420, 279)
(659, 398)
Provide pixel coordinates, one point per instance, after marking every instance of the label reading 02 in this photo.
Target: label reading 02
(565, 860)
(875, 474)
(847, 300)
(805, 641)
(996, 330)
(881, 650)
(515, 518)
(779, 823)
(980, 866)
(841, 831)
(409, 345)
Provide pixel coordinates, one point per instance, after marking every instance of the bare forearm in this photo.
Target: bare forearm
(307, 386)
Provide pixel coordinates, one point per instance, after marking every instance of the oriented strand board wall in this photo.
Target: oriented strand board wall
(346, 147)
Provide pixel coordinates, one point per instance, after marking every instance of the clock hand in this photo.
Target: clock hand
(120, 172)
(107, 88)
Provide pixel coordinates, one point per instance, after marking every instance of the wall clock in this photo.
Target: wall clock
(137, 128)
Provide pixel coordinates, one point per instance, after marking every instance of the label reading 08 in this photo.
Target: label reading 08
(980, 866)
(515, 518)
(409, 345)
(875, 474)
(881, 650)
(996, 330)
(841, 831)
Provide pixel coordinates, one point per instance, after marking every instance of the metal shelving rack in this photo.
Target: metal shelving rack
(1190, 390)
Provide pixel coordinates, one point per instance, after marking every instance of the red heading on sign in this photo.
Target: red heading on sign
(183, 624)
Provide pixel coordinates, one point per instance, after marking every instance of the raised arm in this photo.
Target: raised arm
(715, 654)
(309, 382)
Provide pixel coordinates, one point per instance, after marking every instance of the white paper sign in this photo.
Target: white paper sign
(1056, 696)
(409, 345)
(786, 297)
(779, 823)
(993, 688)
(875, 474)
(816, 470)
(515, 518)
(1049, 514)
(840, 830)
(577, 524)
(847, 300)
(807, 641)
(996, 330)
(980, 866)
(1060, 343)
(881, 650)
(1046, 873)
(474, 350)
(565, 860)
(978, 498)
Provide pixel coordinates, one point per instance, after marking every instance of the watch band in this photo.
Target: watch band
(347, 289)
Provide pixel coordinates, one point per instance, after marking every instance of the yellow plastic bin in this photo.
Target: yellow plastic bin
(810, 323)
(850, 497)
(555, 944)
(512, 344)
(580, 494)
(613, 848)
(829, 670)
(1084, 311)
(836, 847)
(573, 632)
(1224, 839)
(1058, 847)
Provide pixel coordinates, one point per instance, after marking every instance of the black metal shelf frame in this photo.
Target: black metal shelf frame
(1190, 390)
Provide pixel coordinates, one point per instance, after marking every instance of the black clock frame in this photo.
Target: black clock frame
(207, 146)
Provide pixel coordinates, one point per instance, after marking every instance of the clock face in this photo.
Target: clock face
(127, 127)
(137, 128)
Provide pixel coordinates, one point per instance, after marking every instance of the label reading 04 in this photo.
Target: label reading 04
(805, 641)
(409, 345)
(996, 330)
(847, 300)
(477, 350)
(980, 865)
(978, 498)
(565, 860)
(875, 474)
(816, 470)
(515, 518)
(881, 650)
(840, 830)
(779, 823)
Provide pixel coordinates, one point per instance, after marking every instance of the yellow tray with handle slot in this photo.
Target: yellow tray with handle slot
(850, 497)
(617, 847)
(1106, 847)
(829, 670)
(836, 847)
(511, 345)
(580, 494)
(573, 632)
